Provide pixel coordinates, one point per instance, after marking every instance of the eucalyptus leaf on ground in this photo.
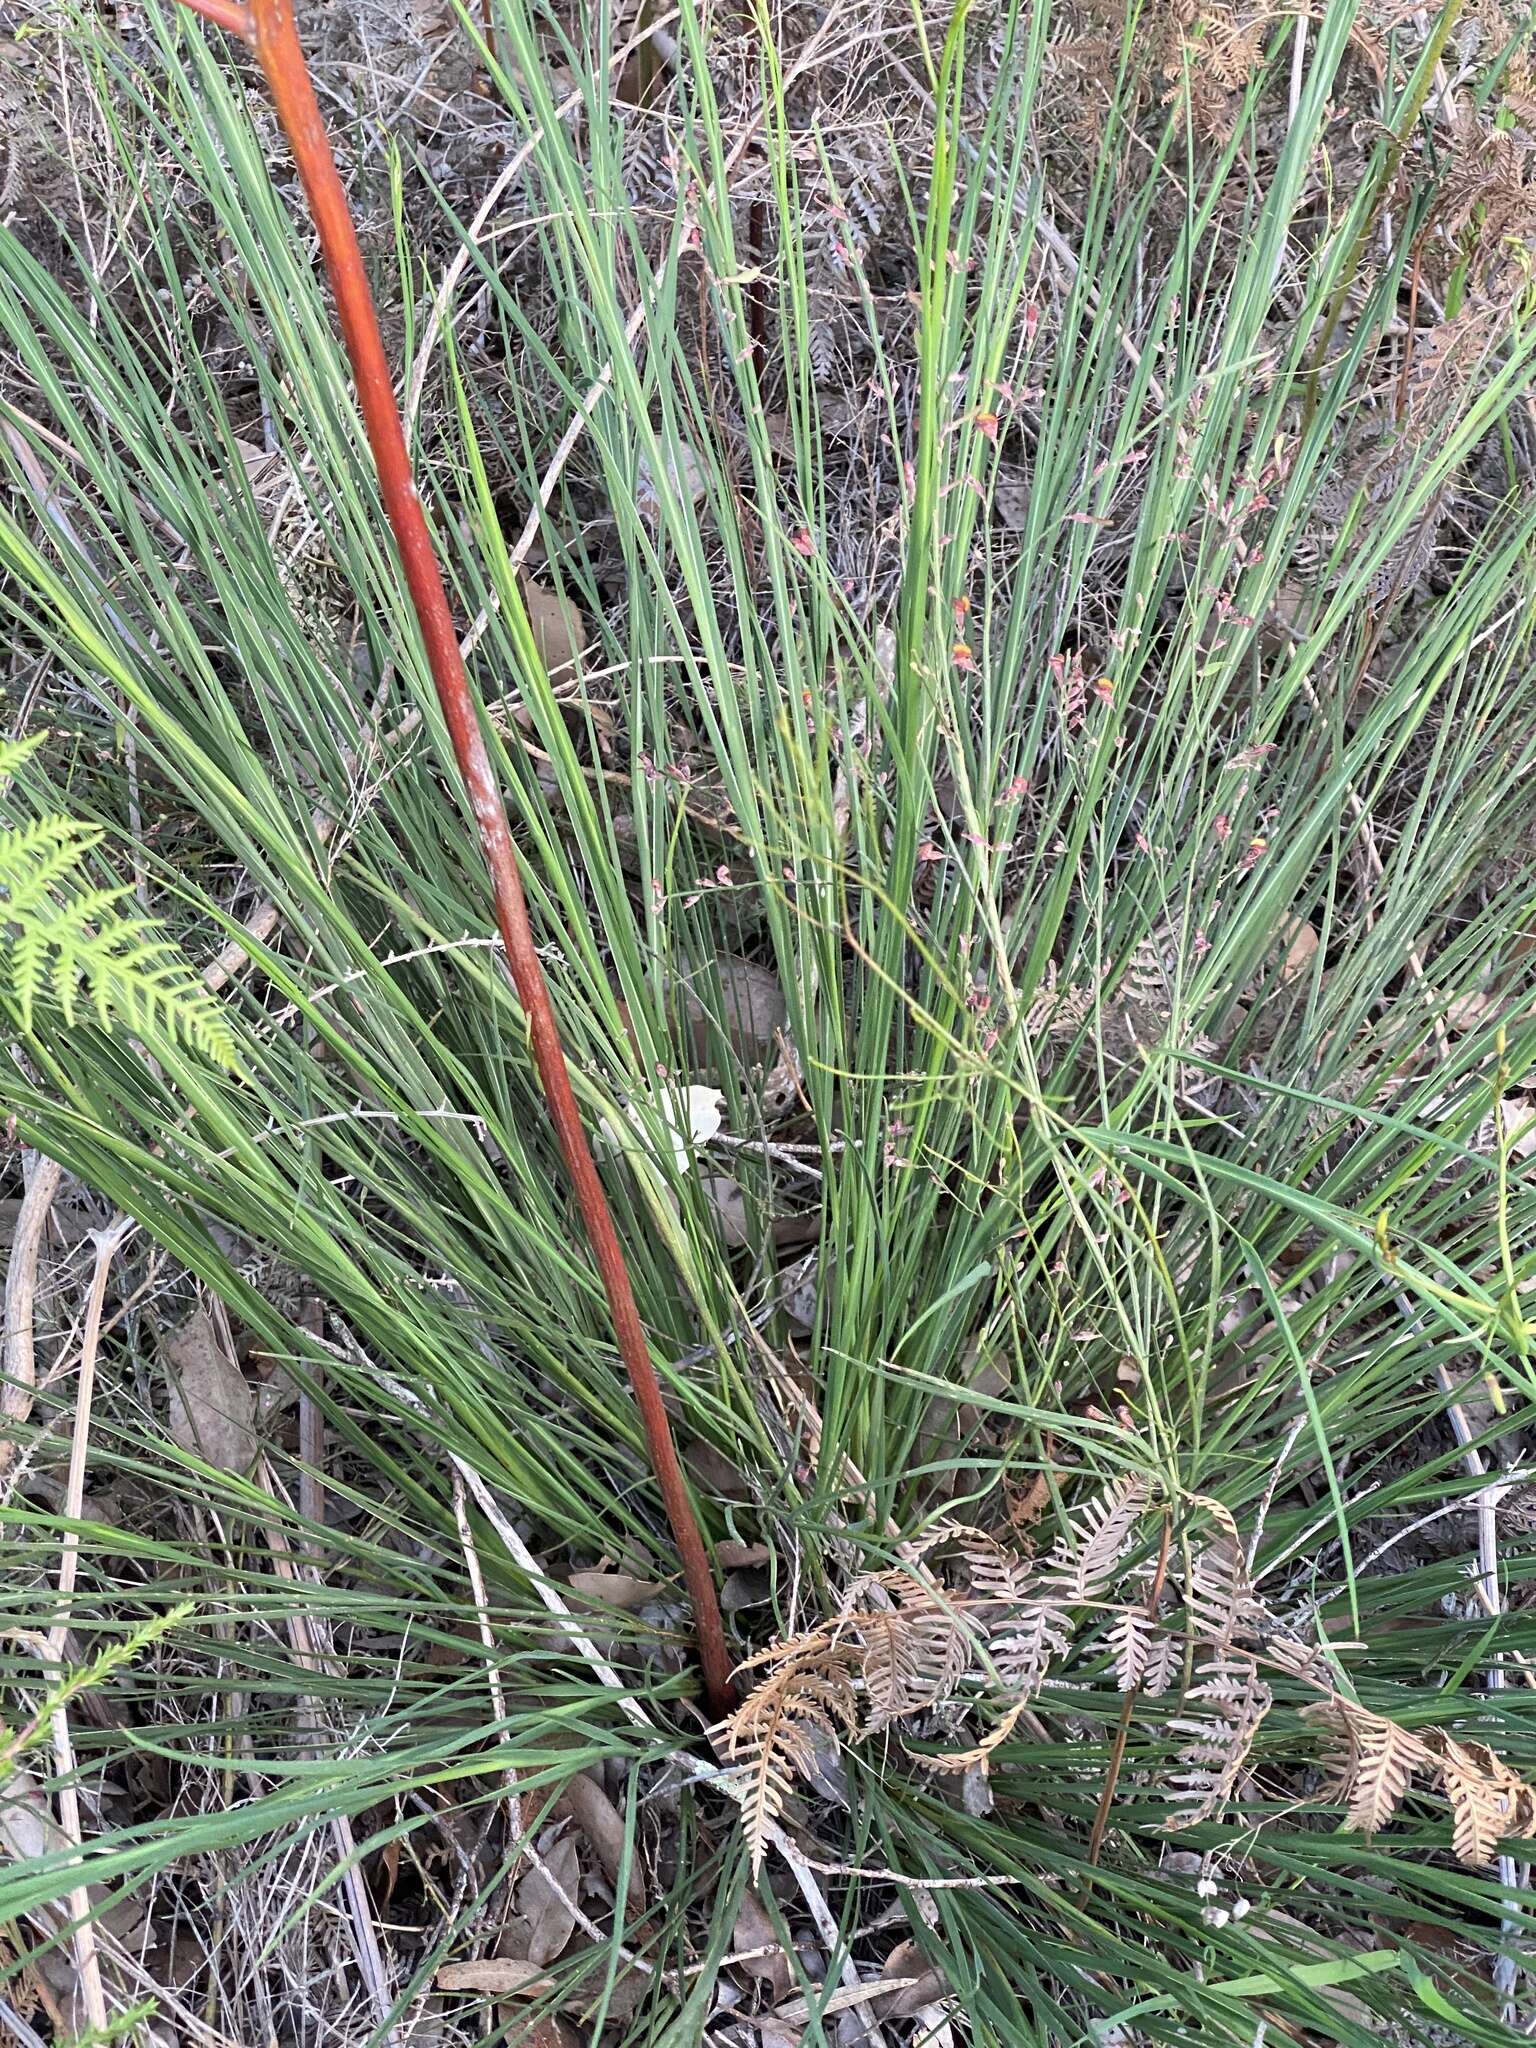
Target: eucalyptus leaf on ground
(213, 1409)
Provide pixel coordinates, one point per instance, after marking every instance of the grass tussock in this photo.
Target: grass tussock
(996, 551)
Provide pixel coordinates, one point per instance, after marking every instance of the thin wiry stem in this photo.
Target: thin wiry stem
(274, 38)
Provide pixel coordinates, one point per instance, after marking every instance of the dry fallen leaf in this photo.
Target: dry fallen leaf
(921, 1984)
(1517, 1113)
(684, 472)
(975, 1790)
(728, 1205)
(615, 1589)
(549, 2030)
(546, 1900)
(1295, 943)
(776, 2033)
(27, 1828)
(1470, 1013)
(743, 1589)
(213, 1410)
(712, 1471)
(747, 1008)
(755, 1933)
(778, 432)
(502, 1976)
(558, 632)
(728, 1210)
(603, 1825)
(1026, 1500)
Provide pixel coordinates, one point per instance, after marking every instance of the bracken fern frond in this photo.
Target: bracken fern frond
(78, 946)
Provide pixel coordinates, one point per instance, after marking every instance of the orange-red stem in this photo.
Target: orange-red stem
(269, 27)
(226, 14)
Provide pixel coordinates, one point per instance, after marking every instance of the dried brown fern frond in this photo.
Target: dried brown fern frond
(913, 1650)
(1032, 1625)
(1229, 1702)
(1488, 1802)
(788, 1650)
(1145, 1655)
(1447, 358)
(771, 1737)
(1377, 1761)
(1086, 1560)
(899, 1645)
(1024, 1647)
(1060, 1009)
(1374, 1760)
(998, 1576)
(914, 1667)
(1218, 1597)
(1305, 1660)
(957, 1760)
(1488, 199)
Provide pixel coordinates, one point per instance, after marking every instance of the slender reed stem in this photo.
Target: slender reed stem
(268, 25)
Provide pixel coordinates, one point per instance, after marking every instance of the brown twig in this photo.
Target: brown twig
(268, 26)
(1411, 324)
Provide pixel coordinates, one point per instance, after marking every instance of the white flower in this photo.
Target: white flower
(1215, 1916)
(1240, 1907)
(1207, 1888)
(692, 1117)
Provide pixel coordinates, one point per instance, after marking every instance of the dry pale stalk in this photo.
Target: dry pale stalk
(19, 1388)
(268, 27)
(488, 1643)
(87, 1958)
(311, 1655)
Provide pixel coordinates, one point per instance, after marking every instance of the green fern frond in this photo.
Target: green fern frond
(34, 857)
(65, 941)
(14, 752)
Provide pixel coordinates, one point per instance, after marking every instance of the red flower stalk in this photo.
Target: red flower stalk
(268, 27)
